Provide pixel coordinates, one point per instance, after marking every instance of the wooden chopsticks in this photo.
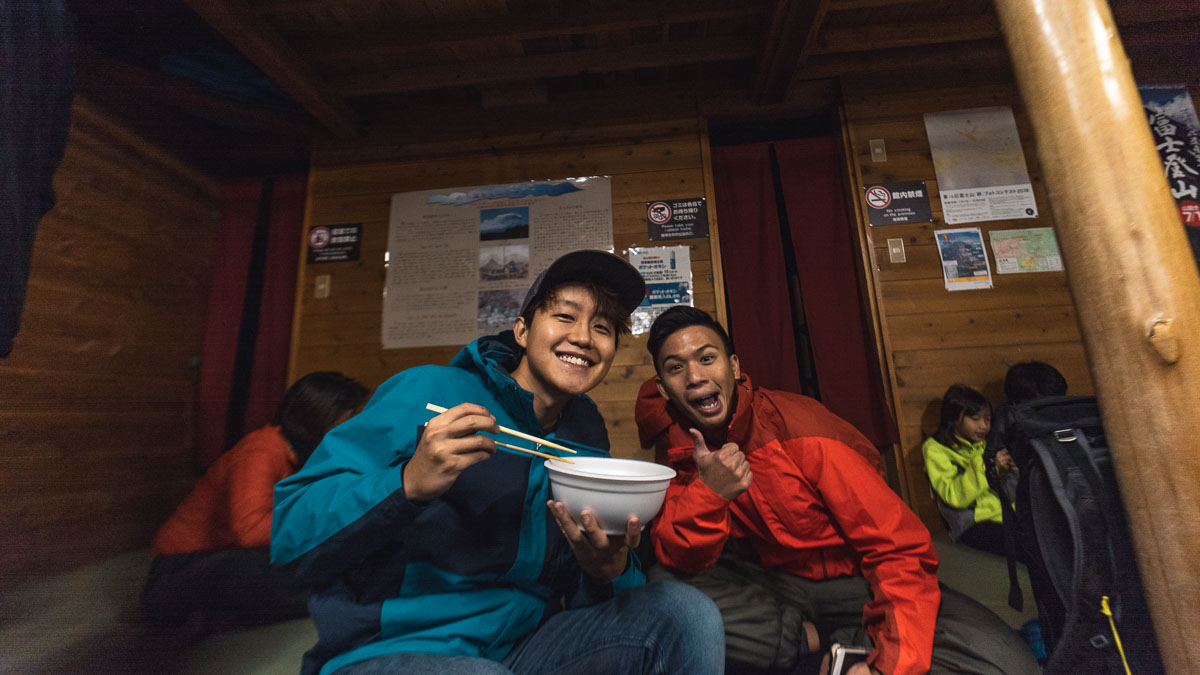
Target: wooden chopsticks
(519, 434)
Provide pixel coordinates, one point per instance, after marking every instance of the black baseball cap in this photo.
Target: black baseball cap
(601, 267)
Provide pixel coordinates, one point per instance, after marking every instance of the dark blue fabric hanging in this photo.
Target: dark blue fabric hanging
(37, 59)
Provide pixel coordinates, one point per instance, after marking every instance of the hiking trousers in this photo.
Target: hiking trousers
(763, 611)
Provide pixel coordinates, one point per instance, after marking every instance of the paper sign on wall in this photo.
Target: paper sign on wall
(964, 260)
(461, 259)
(668, 274)
(980, 165)
(1030, 250)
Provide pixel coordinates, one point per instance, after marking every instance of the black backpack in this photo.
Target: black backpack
(1069, 527)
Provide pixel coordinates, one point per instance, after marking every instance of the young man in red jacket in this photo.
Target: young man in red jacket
(780, 513)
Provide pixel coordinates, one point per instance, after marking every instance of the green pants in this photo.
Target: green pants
(764, 610)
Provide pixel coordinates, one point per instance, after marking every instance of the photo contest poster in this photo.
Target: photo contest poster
(980, 165)
(461, 259)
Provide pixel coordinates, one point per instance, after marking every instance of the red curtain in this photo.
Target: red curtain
(241, 211)
(268, 379)
(847, 367)
(755, 279)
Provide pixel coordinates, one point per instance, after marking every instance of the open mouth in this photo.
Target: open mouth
(707, 404)
(575, 360)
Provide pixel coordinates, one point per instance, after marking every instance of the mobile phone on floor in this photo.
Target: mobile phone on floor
(844, 656)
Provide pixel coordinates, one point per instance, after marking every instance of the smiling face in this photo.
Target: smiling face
(698, 377)
(569, 346)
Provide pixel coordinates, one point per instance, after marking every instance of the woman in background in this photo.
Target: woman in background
(211, 558)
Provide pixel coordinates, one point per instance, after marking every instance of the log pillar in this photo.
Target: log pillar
(1135, 287)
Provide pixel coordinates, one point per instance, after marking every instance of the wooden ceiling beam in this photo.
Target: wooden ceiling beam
(411, 38)
(265, 49)
(906, 34)
(918, 60)
(1178, 29)
(563, 64)
(846, 5)
(790, 38)
(176, 92)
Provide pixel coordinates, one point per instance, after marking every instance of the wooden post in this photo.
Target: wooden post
(1135, 287)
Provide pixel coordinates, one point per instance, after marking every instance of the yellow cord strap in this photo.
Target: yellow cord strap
(1104, 609)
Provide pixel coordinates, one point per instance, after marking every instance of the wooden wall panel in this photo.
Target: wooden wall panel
(932, 337)
(342, 332)
(96, 398)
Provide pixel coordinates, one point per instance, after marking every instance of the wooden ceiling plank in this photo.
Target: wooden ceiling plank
(179, 93)
(846, 5)
(906, 34)
(591, 61)
(417, 38)
(267, 50)
(790, 39)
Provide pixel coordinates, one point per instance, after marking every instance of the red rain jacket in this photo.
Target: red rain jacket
(817, 507)
(231, 505)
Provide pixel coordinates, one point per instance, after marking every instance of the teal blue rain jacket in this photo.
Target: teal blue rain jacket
(469, 573)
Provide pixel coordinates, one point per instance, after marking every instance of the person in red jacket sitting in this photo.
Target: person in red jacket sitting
(212, 557)
(780, 513)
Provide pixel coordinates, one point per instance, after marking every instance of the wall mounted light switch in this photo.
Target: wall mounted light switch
(878, 150)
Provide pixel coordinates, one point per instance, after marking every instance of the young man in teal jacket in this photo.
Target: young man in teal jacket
(433, 552)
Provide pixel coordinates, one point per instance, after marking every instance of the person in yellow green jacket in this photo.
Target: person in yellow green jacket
(954, 464)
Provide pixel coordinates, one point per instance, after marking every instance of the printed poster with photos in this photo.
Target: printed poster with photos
(461, 259)
(964, 259)
(668, 274)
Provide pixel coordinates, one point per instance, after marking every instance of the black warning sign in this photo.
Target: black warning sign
(334, 243)
(677, 219)
(898, 203)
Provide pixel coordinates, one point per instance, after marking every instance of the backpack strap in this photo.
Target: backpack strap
(1016, 599)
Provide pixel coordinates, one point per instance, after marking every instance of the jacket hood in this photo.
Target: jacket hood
(654, 414)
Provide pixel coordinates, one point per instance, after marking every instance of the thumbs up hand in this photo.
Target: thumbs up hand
(725, 471)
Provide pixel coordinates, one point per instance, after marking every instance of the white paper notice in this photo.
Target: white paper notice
(668, 274)
(980, 165)
(461, 259)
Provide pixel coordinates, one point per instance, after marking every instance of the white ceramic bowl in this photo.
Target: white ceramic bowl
(612, 489)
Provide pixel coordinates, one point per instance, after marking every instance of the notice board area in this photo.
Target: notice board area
(932, 337)
(342, 331)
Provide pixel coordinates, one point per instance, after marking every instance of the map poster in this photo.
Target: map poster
(461, 259)
(980, 165)
(668, 274)
(1031, 250)
(964, 260)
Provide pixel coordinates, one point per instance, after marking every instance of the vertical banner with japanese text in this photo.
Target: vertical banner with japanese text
(1176, 131)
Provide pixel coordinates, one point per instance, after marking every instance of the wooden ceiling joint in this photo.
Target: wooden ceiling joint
(267, 50)
(790, 39)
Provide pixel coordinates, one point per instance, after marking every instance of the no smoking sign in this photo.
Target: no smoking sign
(878, 197)
(898, 203)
